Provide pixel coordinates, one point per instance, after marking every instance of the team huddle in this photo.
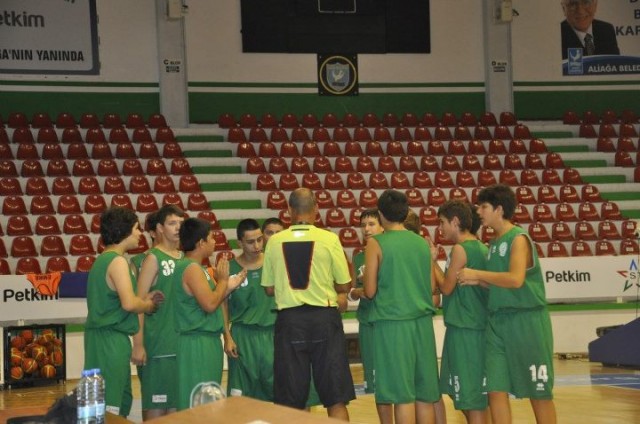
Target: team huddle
(274, 310)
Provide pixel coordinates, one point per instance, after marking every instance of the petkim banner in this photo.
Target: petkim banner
(48, 37)
(600, 37)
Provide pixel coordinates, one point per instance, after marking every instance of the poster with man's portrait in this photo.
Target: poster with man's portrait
(600, 37)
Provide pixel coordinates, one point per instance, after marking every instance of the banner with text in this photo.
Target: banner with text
(48, 37)
(600, 37)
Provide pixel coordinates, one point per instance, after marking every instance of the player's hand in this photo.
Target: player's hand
(355, 294)
(230, 347)
(222, 269)
(138, 354)
(237, 279)
(342, 302)
(467, 277)
(156, 297)
(433, 248)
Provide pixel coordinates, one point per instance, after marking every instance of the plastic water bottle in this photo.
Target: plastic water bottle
(85, 398)
(98, 390)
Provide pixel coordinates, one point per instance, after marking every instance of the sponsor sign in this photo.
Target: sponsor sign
(48, 37)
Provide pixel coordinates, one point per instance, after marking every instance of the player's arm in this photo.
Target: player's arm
(230, 346)
(519, 261)
(372, 258)
(119, 280)
(195, 283)
(458, 260)
(146, 278)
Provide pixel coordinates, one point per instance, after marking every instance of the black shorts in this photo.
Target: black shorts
(311, 339)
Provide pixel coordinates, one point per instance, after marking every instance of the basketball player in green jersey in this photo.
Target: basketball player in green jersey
(155, 345)
(196, 308)
(465, 313)
(519, 345)
(113, 307)
(249, 319)
(149, 226)
(398, 278)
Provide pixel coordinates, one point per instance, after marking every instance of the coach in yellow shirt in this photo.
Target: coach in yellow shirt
(305, 268)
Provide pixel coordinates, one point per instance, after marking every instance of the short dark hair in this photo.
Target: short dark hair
(116, 224)
(192, 231)
(457, 208)
(150, 221)
(393, 205)
(476, 222)
(370, 213)
(245, 225)
(499, 195)
(165, 211)
(270, 221)
(412, 222)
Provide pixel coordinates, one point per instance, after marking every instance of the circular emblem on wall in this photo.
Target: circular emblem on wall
(338, 75)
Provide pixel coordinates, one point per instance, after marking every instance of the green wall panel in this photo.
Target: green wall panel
(206, 107)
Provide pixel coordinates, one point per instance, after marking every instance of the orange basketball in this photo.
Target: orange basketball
(17, 373)
(27, 335)
(48, 334)
(18, 342)
(46, 359)
(57, 342)
(56, 358)
(38, 352)
(29, 365)
(48, 371)
(16, 358)
(28, 349)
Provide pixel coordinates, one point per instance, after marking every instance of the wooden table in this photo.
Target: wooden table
(243, 410)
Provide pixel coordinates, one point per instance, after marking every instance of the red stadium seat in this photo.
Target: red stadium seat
(525, 196)
(118, 135)
(487, 234)
(588, 212)
(23, 246)
(422, 133)
(320, 134)
(521, 214)
(236, 135)
(138, 184)
(580, 248)
(188, 184)
(165, 135)
(173, 199)
(492, 162)
(346, 199)
(52, 151)
(278, 165)
(226, 120)
(311, 181)
(458, 194)
(94, 203)
(57, 264)
(448, 119)
(421, 179)
(52, 246)
(4, 267)
(22, 135)
(157, 120)
(329, 120)
(571, 176)
(378, 180)
(74, 224)
(121, 200)
(197, 202)
(512, 161)
(335, 218)
(63, 185)
(36, 186)
(551, 177)
(429, 119)
(629, 247)
(27, 151)
(390, 119)
(349, 237)
(289, 120)
(471, 162)
(497, 147)
(333, 181)
(368, 198)
(81, 245)
(402, 134)
(289, 149)
(28, 266)
(65, 120)
(442, 133)
(414, 198)
(156, 167)
(148, 150)
(309, 120)
(95, 135)
(386, 164)
(47, 225)
(443, 179)
(609, 210)
(538, 233)
(370, 120)
(560, 231)
(57, 168)
(41, 205)
(30, 168)
(381, 134)
(546, 194)
(429, 163)
(556, 249)
(521, 131)
(590, 193)
(565, 212)
(265, 182)
(71, 135)
(109, 167)
(486, 178)
(584, 231)
(323, 199)
(529, 177)
(134, 120)
(481, 132)
(608, 230)
(462, 133)
(628, 228)
(13, 205)
(288, 182)
(211, 217)
(115, 185)
(278, 134)
(310, 149)
(435, 197)
(399, 180)
(255, 165)
(356, 181)
(19, 225)
(542, 213)
(164, 184)
(605, 248)
(353, 149)
(82, 168)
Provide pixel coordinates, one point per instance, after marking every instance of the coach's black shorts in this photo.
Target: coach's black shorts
(311, 339)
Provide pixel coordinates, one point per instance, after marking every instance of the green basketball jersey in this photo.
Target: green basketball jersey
(138, 259)
(404, 277)
(466, 306)
(532, 292)
(159, 328)
(249, 304)
(188, 315)
(103, 303)
(365, 305)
